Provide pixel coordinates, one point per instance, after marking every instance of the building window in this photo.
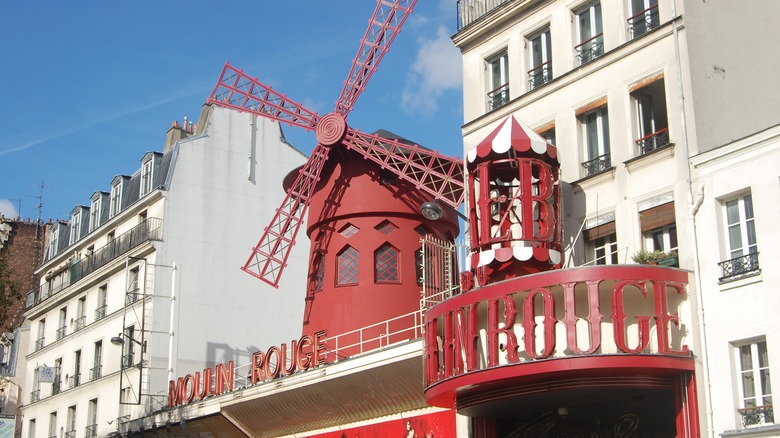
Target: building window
(644, 17)
(31, 429)
(94, 213)
(591, 38)
(116, 199)
(497, 81)
(146, 177)
(41, 341)
(601, 242)
(386, 264)
(755, 387)
(386, 227)
(659, 230)
(63, 329)
(54, 240)
(100, 311)
(595, 134)
(97, 362)
(91, 429)
(651, 121)
(549, 135)
(75, 379)
(53, 425)
(56, 386)
(81, 314)
(128, 347)
(133, 291)
(540, 54)
(75, 226)
(741, 235)
(349, 230)
(71, 425)
(347, 267)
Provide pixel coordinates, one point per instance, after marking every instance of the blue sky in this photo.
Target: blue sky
(90, 86)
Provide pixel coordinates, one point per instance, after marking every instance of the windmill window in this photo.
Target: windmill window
(386, 264)
(348, 267)
(422, 230)
(386, 227)
(349, 230)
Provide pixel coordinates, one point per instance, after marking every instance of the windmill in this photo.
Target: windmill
(334, 178)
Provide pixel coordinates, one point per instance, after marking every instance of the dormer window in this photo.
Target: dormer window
(54, 240)
(94, 213)
(146, 177)
(116, 198)
(75, 226)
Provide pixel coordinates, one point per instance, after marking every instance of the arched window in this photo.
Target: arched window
(347, 267)
(386, 264)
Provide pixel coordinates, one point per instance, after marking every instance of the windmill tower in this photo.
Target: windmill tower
(362, 193)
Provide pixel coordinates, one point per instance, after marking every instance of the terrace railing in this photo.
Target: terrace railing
(643, 21)
(653, 141)
(738, 267)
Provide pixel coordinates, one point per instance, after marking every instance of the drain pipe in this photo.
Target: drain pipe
(693, 208)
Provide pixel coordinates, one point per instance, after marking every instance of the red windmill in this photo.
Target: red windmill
(364, 190)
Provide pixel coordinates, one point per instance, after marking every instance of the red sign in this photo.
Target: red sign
(439, 424)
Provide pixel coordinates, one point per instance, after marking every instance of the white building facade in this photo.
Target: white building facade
(143, 283)
(666, 127)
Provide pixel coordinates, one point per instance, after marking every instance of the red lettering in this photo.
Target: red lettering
(493, 331)
(529, 323)
(303, 360)
(619, 318)
(191, 382)
(594, 317)
(431, 354)
(225, 377)
(257, 374)
(205, 387)
(286, 371)
(277, 366)
(320, 350)
(663, 318)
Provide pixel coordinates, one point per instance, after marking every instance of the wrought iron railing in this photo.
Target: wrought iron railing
(470, 11)
(40, 343)
(74, 380)
(90, 431)
(96, 372)
(653, 141)
(739, 266)
(35, 396)
(597, 164)
(100, 312)
(540, 75)
(80, 323)
(133, 296)
(590, 49)
(441, 279)
(643, 21)
(127, 360)
(150, 229)
(498, 97)
(56, 386)
(61, 332)
(757, 415)
(70, 434)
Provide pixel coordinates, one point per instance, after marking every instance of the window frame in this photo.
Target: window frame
(745, 225)
(75, 227)
(609, 246)
(94, 213)
(396, 256)
(497, 85)
(115, 201)
(545, 63)
(754, 374)
(353, 279)
(147, 177)
(590, 46)
(602, 146)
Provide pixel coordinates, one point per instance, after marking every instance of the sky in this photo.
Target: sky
(90, 86)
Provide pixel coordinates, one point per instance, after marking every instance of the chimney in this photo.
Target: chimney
(178, 132)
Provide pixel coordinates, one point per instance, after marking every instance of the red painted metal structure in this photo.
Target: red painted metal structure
(438, 175)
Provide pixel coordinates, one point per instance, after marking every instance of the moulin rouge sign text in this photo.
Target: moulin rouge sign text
(453, 337)
(303, 354)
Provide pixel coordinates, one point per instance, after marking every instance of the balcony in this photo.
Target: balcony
(90, 431)
(597, 164)
(739, 267)
(40, 343)
(643, 22)
(61, 332)
(70, 434)
(757, 415)
(133, 296)
(590, 49)
(96, 373)
(498, 97)
(127, 360)
(80, 323)
(150, 229)
(100, 312)
(540, 75)
(653, 141)
(74, 380)
(56, 386)
(35, 396)
(470, 11)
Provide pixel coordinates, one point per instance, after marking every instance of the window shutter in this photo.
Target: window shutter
(657, 217)
(600, 231)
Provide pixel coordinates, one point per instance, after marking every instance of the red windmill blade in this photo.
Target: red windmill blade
(439, 175)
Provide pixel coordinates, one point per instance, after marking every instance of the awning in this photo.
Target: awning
(513, 134)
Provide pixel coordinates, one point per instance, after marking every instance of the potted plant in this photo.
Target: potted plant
(671, 259)
(645, 257)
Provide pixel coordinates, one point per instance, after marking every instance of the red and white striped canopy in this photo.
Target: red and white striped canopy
(512, 134)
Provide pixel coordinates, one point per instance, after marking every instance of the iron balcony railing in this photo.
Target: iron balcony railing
(738, 266)
(56, 386)
(540, 75)
(80, 323)
(61, 332)
(653, 141)
(90, 431)
(40, 343)
(470, 11)
(150, 229)
(75, 380)
(643, 21)
(70, 434)
(757, 415)
(597, 164)
(96, 373)
(127, 361)
(498, 97)
(100, 312)
(35, 396)
(590, 49)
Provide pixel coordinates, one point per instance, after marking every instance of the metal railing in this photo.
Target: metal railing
(74, 380)
(96, 372)
(643, 21)
(653, 141)
(440, 271)
(757, 415)
(127, 360)
(70, 434)
(590, 49)
(100, 312)
(738, 266)
(540, 75)
(40, 343)
(35, 396)
(56, 386)
(470, 11)
(90, 431)
(498, 97)
(597, 164)
(150, 229)
(61, 332)
(80, 323)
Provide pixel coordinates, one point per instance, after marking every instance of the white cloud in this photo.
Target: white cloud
(436, 69)
(8, 209)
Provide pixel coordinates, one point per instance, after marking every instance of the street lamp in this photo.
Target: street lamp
(434, 211)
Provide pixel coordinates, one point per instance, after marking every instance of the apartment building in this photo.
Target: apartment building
(665, 117)
(143, 282)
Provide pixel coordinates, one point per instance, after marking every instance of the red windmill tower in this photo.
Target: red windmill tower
(362, 193)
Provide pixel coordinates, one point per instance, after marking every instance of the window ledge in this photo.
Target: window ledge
(741, 280)
(761, 431)
(649, 158)
(607, 174)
